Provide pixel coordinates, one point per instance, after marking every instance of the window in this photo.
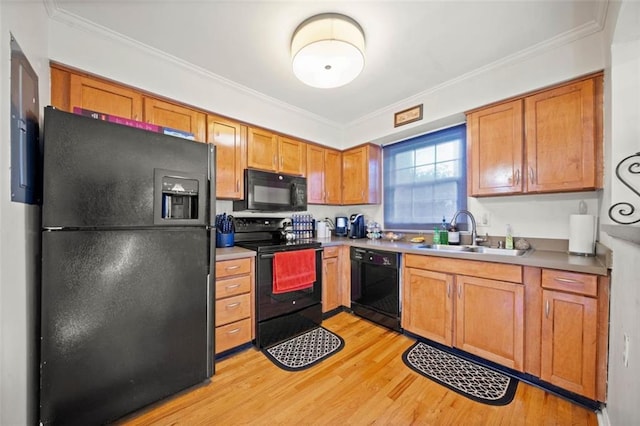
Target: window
(425, 179)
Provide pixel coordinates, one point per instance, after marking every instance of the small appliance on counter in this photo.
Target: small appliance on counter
(357, 228)
(342, 226)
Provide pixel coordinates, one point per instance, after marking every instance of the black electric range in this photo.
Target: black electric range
(284, 315)
(266, 234)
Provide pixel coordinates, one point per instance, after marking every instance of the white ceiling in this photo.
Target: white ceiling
(411, 46)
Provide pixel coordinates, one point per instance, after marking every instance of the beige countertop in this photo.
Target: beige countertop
(537, 258)
(230, 253)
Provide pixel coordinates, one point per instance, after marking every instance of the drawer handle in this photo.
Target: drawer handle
(448, 290)
(232, 286)
(233, 305)
(567, 280)
(459, 291)
(234, 331)
(231, 268)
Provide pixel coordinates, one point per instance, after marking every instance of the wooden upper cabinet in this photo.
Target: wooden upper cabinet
(315, 175)
(262, 149)
(167, 114)
(561, 138)
(100, 96)
(548, 141)
(495, 144)
(332, 176)
(271, 152)
(324, 175)
(361, 173)
(230, 139)
(292, 155)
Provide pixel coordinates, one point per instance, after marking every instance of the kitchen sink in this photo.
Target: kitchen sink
(474, 249)
(500, 251)
(444, 247)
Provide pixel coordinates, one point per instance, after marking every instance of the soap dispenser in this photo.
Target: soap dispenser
(508, 241)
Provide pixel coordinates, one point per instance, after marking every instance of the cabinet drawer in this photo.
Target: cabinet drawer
(331, 252)
(233, 309)
(227, 268)
(233, 286)
(571, 282)
(232, 335)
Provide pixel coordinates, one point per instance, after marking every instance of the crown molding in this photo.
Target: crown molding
(76, 21)
(584, 30)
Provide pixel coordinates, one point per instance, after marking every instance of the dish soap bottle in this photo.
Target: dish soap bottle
(444, 235)
(508, 241)
(436, 236)
(454, 236)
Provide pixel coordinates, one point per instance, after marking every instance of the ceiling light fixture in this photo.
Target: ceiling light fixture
(327, 50)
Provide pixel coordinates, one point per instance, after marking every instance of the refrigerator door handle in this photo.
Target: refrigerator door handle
(210, 328)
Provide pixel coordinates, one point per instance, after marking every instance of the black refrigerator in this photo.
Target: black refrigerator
(126, 290)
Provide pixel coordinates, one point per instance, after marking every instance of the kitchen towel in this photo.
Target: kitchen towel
(582, 234)
(293, 270)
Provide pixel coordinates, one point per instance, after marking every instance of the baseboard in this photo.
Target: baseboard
(603, 417)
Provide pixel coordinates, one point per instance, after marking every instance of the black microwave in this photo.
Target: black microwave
(272, 192)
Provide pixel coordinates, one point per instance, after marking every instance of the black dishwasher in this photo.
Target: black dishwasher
(375, 286)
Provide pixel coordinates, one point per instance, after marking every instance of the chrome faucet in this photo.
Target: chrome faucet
(474, 233)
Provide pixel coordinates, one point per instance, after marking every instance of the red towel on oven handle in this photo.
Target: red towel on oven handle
(293, 270)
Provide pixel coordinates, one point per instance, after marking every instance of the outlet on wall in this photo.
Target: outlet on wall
(484, 220)
(625, 350)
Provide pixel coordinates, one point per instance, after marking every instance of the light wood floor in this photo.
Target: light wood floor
(365, 383)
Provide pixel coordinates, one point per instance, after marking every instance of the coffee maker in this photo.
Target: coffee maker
(342, 226)
(357, 228)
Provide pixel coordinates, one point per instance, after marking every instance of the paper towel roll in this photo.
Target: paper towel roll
(582, 234)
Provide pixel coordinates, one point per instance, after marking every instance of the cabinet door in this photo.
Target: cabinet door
(315, 174)
(229, 137)
(490, 320)
(330, 284)
(495, 146)
(569, 345)
(174, 116)
(361, 175)
(332, 176)
(292, 156)
(427, 302)
(262, 150)
(97, 95)
(561, 152)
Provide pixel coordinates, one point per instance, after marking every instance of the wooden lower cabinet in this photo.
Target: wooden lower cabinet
(336, 278)
(480, 315)
(234, 306)
(490, 320)
(569, 349)
(331, 296)
(428, 305)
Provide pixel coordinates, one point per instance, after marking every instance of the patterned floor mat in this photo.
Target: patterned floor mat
(467, 378)
(305, 350)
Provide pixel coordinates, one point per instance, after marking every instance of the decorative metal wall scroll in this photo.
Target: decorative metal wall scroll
(626, 213)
